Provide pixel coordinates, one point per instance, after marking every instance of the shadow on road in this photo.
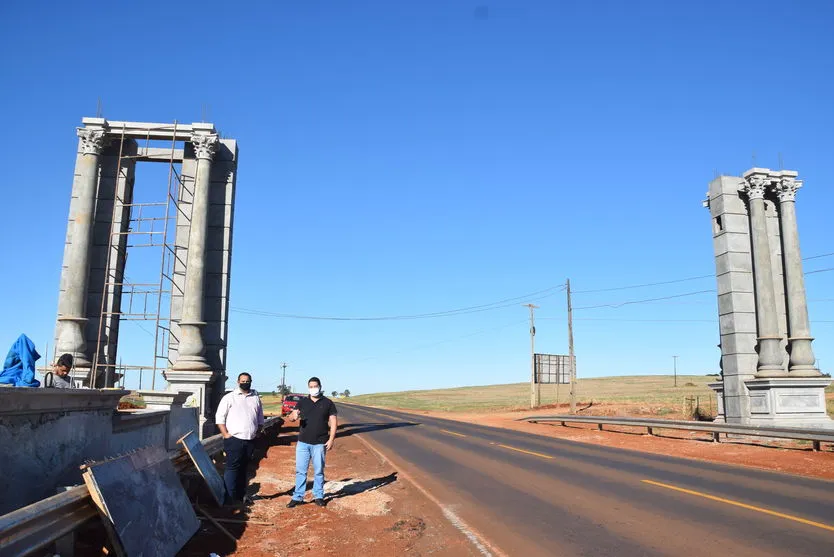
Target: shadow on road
(346, 430)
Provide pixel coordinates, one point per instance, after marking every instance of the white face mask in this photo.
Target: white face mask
(314, 391)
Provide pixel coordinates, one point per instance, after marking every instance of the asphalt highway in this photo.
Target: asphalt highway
(515, 493)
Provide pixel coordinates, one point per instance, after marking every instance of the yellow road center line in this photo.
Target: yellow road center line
(525, 452)
(742, 505)
(452, 433)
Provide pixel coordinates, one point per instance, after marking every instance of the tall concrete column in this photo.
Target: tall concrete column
(72, 303)
(191, 353)
(799, 329)
(770, 354)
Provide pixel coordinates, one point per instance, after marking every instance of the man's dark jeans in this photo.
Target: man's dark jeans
(238, 454)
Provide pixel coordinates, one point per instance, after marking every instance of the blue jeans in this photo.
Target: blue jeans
(304, 452)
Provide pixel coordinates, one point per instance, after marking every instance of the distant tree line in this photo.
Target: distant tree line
(287, 389)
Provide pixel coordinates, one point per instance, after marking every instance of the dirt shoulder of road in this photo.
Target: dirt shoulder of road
(791, 457)
(370, 510)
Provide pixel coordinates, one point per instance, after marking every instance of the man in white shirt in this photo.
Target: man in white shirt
(240, 418)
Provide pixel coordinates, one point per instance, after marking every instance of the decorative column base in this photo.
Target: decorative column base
(802, 358)
(71, 340)
(770, 357)
(809, 371)
(199, 384)
(789, 402)
(191, 351)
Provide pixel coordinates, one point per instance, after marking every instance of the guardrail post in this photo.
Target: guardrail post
(716, 436)
(599, 427)
(816, 446)
(650, 431)
(563, 423)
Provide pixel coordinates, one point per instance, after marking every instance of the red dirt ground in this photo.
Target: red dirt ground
(374, 512)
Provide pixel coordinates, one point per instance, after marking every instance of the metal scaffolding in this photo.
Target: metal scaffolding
(151, 225)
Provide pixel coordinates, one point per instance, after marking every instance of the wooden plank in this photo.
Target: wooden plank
(92, 487)
(142, 500)
(204, 465)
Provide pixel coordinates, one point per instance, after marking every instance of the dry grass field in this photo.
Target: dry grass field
(645, 394)
(631, 390)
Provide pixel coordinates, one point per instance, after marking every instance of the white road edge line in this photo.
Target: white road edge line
(483, 546)
(464, 529)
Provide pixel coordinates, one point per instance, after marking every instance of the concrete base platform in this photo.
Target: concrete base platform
(782, 402)
(789, 402)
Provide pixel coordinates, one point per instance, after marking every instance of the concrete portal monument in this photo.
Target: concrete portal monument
(767, 361)
(105, 224)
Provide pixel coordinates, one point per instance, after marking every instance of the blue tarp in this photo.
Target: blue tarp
(19, 367)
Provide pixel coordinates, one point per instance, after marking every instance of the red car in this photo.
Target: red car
(289, 403)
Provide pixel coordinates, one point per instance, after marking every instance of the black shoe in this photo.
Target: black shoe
(320, 502)
(293, 503)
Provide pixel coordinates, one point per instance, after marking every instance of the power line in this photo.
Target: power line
(635, 320)
(674, 281)
(643, 285)
(538, 295)
(656, 320)
(630, 302)
(820, 271)
(508, 302)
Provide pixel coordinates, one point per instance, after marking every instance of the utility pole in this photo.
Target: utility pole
(675, 359)
(535, 393)
(283, 378)
(571, 355)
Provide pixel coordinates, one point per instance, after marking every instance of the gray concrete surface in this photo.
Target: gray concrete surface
(96, 251)
(763, 316)
(531, 495)
(46, 434)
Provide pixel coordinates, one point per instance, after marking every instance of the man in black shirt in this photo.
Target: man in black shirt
(315, 437)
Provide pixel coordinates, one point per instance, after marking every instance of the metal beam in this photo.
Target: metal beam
(816, 435)
(157, 154)
(149, 130)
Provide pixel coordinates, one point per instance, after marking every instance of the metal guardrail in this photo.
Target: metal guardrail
(35, 526)
(816, 436)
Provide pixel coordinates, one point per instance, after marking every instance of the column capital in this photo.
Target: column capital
(756, 185)
(93, 140)
(205, 145)
(786, 188)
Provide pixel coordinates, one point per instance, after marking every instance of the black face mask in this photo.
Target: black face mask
(245, 386)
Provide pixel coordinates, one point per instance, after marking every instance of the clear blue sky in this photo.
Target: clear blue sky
(411, 157)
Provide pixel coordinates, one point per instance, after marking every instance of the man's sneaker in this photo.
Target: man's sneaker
(248, 501)
(320, 502)
(293, 503)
